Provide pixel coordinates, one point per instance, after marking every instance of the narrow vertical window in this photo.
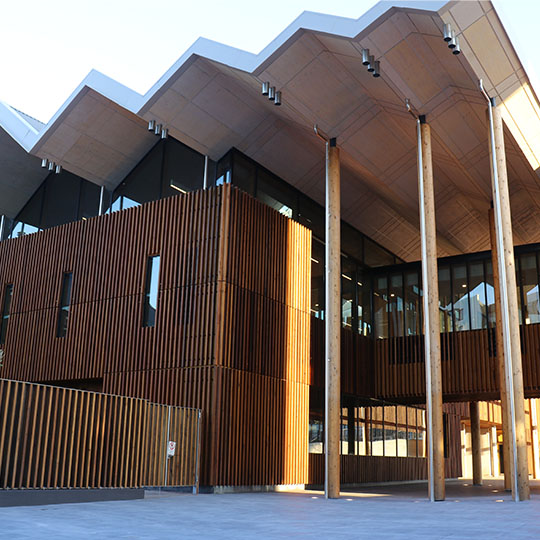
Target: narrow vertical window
(151, 291)
(8, 292)
(65, 301)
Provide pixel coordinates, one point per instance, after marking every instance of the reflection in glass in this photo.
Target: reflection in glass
(477, 296)
(348, 290)
(317, 279)
(445, 299)
(460, 297)
(413, 305)
(529, 283)
(395, 305)
(380, 307)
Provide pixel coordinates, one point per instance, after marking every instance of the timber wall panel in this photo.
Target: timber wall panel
(233, 309)
(53, 437)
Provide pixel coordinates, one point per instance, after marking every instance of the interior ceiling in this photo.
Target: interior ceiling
(212, 107)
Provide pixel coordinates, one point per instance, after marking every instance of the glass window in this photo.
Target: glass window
(395, 305)
(413, 305)
(65, 301)
(151, 291)
(8, 293)
(61, 200)
(311, 215)
(317, 279)
(348, 293)
(244, 173)
(380, 307)
(143, 183)
(364, 303)
(375, 255)
(529, 284)
(477, 296)
(460, 297)
(445, 299)
(89, 200)
(490, 295)
(183, 169)
(276, 194)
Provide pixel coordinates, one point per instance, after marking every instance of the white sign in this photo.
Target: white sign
(171, 449)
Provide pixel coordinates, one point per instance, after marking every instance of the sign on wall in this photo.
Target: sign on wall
(171, 449)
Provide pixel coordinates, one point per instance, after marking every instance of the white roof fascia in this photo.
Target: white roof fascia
(29, 138)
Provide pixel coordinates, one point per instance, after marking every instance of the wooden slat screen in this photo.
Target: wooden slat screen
(372, 469)
(233, 312)
(53, 437)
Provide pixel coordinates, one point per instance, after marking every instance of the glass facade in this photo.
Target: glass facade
(466, 294)
(375, 429)
(169, 168)
(358, 252)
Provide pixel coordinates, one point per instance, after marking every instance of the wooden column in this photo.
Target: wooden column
(509, 308)
(430, 285)
(332, 426)
(476, 443)
(499, 344)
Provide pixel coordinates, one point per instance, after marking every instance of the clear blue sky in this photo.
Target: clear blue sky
(49, 46)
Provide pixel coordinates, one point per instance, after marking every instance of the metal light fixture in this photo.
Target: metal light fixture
(277, 100)
(44, 163)
(164, 133)
(272, 93)
(174, 186)
(447, 32)
(157, 130)
(376, 67)
(365, 57)
(58, 169)
(452, 42)
(151, 125)
(265, 88)
(456, 49)
(370, 68)
(52, 165)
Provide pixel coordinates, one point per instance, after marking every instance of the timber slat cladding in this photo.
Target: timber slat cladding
(231, 334)
(368, 469)
(394, 369)
(53, 437)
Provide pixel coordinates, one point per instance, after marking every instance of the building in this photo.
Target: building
(172, 246)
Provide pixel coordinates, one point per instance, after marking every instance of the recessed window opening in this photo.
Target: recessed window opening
(151, 291)
(65, 303)
(8, 293)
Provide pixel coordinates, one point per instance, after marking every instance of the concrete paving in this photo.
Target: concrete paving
(388, 512)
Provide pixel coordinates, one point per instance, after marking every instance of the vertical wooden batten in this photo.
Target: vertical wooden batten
(430, 287)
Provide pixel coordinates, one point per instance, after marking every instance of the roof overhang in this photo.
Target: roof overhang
(210, 99)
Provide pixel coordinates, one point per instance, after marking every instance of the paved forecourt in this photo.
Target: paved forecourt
(400, 511)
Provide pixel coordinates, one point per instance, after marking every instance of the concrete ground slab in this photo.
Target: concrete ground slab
(388, 512)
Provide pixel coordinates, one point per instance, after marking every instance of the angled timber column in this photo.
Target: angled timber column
(499, 341)
(509, 307)
(432, 340)
(332, 427)
(476, 443)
